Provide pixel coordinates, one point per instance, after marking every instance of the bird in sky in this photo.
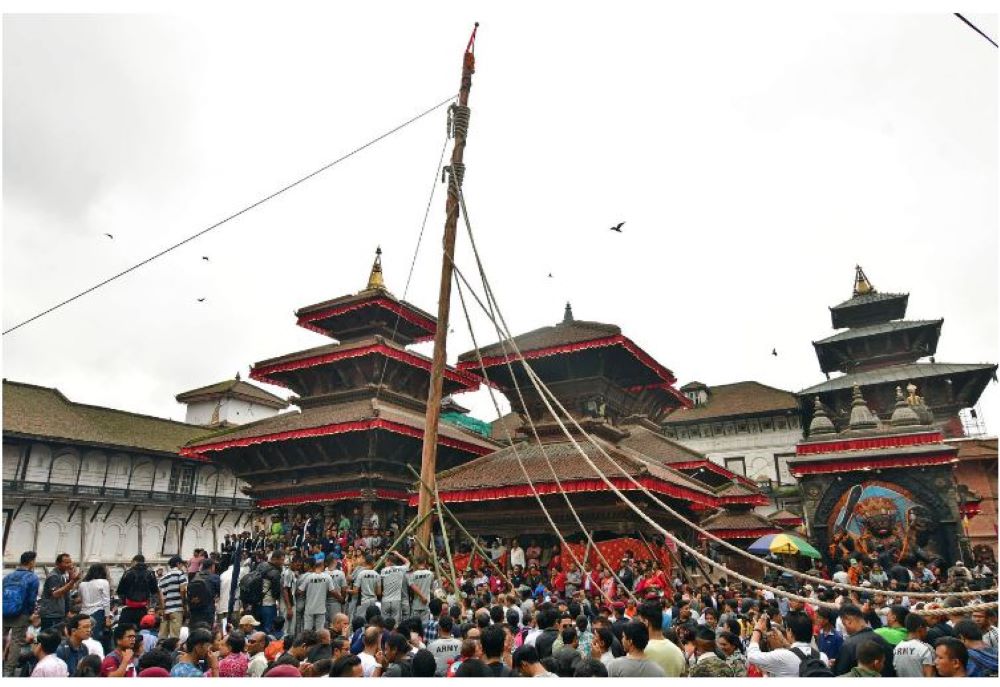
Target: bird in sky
(618, 227)
(201, 300)
(109, 236)
(550, 275)
(205, 258)
(774, 352)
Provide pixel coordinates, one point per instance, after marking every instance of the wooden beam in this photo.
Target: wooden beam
(107, 514)
(132, 512)
(190, 515)
(223, 521)
(45, 512)
(96, 511)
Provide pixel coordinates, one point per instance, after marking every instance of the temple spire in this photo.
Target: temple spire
(861, 284)
(820, 424)
(903, 415)
(375, 278)
(568, 313)
(861, 416)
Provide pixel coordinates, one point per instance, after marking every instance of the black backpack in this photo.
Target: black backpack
(252, 586)
(135, 585)
(198, 592)
(812, 665)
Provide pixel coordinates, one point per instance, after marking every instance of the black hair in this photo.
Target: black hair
(96, 572)
(851, 611)
(389, 623)
(590, 668)
(446, 623)
(733, 639)
(120, 629)
(399, 643)
(496, 614)
(705, 634)
(512, 618)
(492, 641)
(74, 622)
(914, 622)
(196, 637)
(967, 629)
(157, 657)
(525, 654)
(800, 625)
(473, 667)
(606, 635)
(637, 634)
(423, 664)
(61, 557)
(899, 613)
(434, 606)
(652, 613)
(28, 557)
(869, 652)
(89, 666)
(357, 622)
(49, 640)
(568, 636)
(236, 641)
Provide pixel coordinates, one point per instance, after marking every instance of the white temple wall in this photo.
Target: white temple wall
(231, 410)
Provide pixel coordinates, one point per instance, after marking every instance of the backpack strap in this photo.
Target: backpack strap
(798, 652)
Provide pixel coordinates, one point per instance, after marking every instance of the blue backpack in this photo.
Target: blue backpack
(15, 593)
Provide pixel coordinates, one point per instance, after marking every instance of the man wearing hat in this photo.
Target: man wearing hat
(147, 632)
(247, 624)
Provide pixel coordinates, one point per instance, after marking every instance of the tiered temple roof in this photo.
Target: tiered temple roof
(363, 402)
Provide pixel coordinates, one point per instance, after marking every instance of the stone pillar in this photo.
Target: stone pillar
(138, 523)
(83, 534)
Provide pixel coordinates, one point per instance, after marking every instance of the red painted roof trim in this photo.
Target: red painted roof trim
(743, 534)
(328, 430)
(618, 340)
(470, 382)
(569, 486)
(865, 444)
(325, 496)
(857, 465)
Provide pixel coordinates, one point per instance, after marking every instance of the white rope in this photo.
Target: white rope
(545, 454)
(544, 392)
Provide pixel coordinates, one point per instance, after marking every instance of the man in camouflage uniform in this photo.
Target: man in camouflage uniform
(708, 663)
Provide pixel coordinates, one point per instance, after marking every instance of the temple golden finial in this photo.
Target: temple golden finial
(375, 278)
(861, 284)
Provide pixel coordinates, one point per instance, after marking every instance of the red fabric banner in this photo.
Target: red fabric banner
(326, 496)
(860, 464)
(870, 443)
(614, 550)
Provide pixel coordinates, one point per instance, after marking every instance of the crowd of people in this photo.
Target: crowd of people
(349, 598)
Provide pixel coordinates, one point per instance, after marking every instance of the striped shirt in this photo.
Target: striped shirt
(170, 587)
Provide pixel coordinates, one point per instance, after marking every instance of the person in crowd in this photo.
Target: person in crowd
(731, 649)
(45, 649)
(147, 632)
(255, 645)
(708, 662)
(660, 650)
(894, 631)
(950, 657)
(858, 631)
(20, 588)
(986, 621)
(57, 590)
(137, 588)
(233, 660)
(788, 648)
(445, 648)
(870, 658)
(95, 599)
(634, 663)
(197, 651)
(528, 664)
(88, 666)
(347, 666)
(119, 662)
(913, 657)
(982, 658)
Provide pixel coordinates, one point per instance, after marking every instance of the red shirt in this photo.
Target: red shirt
(112, 662)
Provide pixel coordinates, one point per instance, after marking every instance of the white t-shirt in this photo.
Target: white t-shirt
(841, 577)
(368, 663)
(910, 656)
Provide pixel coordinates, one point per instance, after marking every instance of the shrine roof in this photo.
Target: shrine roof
(867, 298)
(566, 332)
(783, 514)
(235, 388)
(877, 329)
(873, 454)
(501, 469)
(412, 322)
(373, 344)
(736, 399)
(324, 420)
(896, 373)
(737, 520)
(45, 413)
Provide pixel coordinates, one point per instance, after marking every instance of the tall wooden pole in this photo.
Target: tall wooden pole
(456, 171)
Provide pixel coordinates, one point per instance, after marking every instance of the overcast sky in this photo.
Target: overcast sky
(755, 158)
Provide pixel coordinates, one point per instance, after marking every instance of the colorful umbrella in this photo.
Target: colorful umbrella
(783, 543)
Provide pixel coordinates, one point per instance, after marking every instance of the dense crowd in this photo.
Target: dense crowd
(349, 598)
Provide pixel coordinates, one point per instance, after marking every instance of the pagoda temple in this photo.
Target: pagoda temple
(362, 403)
(619, 394)
(879, 350)
(879, 489)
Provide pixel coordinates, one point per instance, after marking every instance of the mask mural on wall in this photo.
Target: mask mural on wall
(880, 521)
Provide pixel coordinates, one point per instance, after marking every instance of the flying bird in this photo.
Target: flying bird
(618, 227)
(205, 258)
(201, 300)
(109, 236)
(550, 275)
(774, 352)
